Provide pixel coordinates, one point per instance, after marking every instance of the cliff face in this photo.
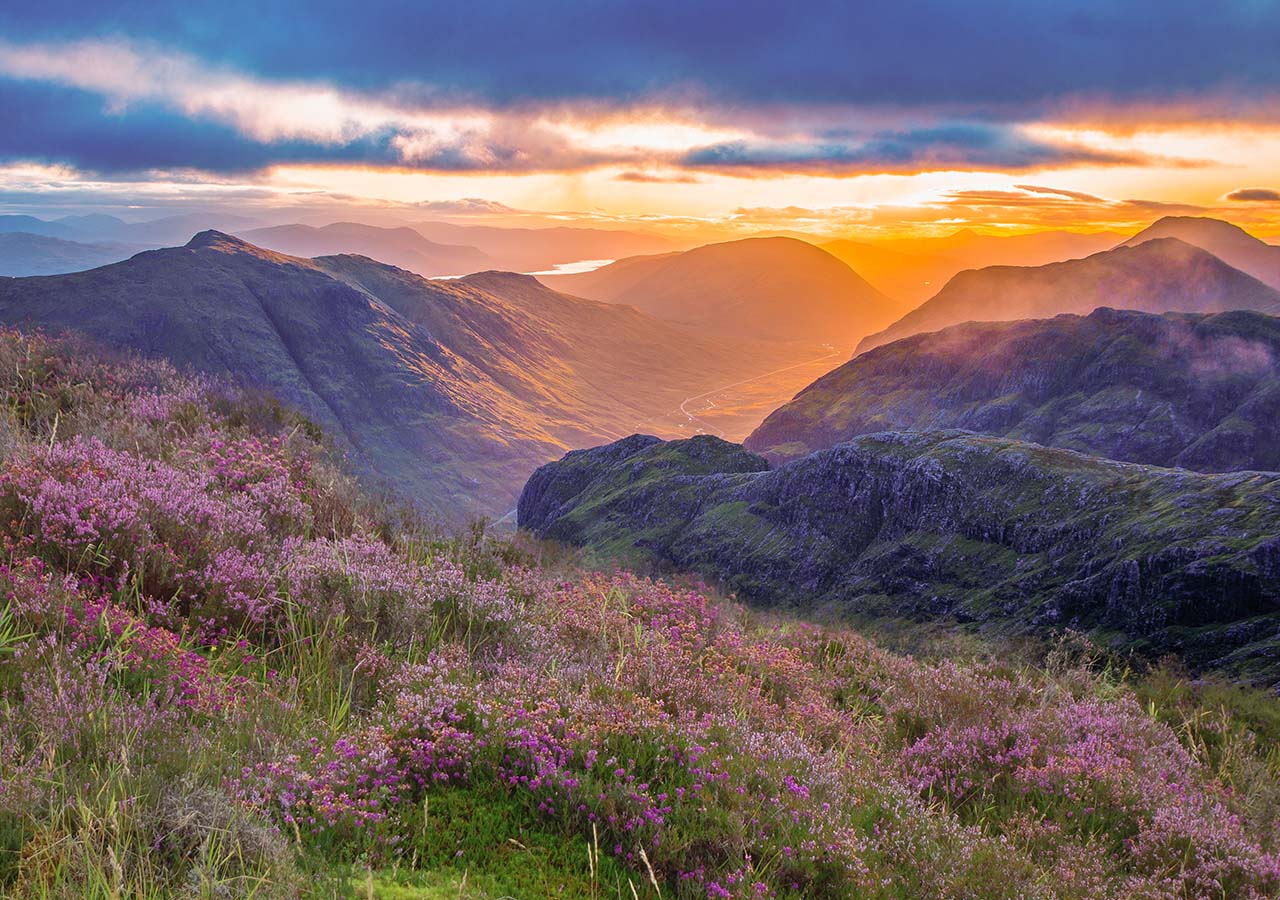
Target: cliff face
(947, 524)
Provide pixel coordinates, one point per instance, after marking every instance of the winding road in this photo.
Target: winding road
(719, 433)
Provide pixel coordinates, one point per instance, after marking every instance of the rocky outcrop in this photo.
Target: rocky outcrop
(947, 524)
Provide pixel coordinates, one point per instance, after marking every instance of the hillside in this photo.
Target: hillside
(225, 673)
(34, 254)
(283, 324)
(1178, 389)
(1230, 243)
(946, 524)
(1164, 275)
(759, 288)
(402, 247)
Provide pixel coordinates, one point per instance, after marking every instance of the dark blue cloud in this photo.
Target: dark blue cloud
(1255, 195)
(988, 54)
(965, 146)
(64, 125)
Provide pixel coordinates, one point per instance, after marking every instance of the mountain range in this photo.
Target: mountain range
(450, 391)
(402, 247)
(1153, 275)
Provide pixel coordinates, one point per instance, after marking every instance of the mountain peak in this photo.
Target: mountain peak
(217, 240)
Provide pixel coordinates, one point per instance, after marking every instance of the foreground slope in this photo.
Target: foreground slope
(225, 673)
(946, 524)
(1179, 389)
(761, 288)
(1161, 275)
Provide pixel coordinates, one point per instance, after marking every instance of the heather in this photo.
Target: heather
(225, 672)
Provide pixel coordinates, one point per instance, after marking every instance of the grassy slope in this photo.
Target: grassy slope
(223, 672)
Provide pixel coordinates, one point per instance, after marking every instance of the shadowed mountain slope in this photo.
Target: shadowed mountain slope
(1193, 390)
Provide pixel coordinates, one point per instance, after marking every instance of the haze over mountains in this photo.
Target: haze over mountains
(403, 247)
(759, 288)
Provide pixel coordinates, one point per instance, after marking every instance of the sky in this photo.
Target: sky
(856, 119)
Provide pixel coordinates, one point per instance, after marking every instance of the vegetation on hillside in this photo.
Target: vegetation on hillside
(225, 673)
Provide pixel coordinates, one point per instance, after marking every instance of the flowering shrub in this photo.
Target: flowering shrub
(202, 637)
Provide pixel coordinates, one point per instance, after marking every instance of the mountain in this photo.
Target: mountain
(451, 392)
(1230, 243)
(35, 254)
(538, 249)
(99, 228)
(32, 225)
(1178, 389)
(402, 247)
(946, 524)
(910, 277)
(762, 288)
(1159, 275)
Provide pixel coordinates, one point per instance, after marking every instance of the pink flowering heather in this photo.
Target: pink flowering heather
(205, 642)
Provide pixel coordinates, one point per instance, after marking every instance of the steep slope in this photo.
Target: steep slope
(762, 288)
(537, 249)
(1160, 275)
(401, 247)
(1193, 390)
(35, 254)
(946, 524)
(410, 410)
(1230, 243)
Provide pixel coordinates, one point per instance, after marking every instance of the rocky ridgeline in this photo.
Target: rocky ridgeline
(947, 523)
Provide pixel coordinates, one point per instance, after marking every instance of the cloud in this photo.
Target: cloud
(1004, 58)
(657, 177)
(943, 147)
(1070, 195)
(1255, 195)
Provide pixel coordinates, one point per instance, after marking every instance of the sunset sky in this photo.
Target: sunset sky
(859, 120)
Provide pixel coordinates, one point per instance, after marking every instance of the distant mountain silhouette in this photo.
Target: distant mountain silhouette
(971, 249)
(761, 288)
(36, 254)
(909, 277)
(1155, 276)
(450, 391)
(1230, 243)
(538, 249)
(401, 247)
(1178, 389)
